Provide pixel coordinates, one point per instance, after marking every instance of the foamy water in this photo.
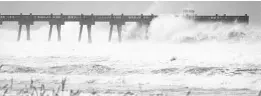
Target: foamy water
(226, 46)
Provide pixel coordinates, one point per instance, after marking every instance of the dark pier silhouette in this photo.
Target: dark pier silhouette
(114, 20)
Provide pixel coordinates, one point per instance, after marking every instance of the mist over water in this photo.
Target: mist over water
(205, 47)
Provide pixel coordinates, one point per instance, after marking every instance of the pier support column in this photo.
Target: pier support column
(19, 33)
(80, 34)
(27, 21)
(50, 33)
(119, 27)
(119, 21)
(146, 32)
(88, 21)
(59, 31)
(146, 23)
(58, 21)
(89, 28)
(28, 32)
(110, 34)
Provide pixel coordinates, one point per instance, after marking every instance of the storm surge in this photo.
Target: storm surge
(208, 55)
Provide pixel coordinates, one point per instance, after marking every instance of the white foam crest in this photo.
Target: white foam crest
(170, 28)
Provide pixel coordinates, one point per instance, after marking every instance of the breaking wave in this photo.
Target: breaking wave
(178, 29)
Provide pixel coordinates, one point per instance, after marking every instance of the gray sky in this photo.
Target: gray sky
(252, 8)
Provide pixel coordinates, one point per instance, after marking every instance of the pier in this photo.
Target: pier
(114, 20)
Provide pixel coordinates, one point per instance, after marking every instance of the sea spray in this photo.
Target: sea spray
(170, 27)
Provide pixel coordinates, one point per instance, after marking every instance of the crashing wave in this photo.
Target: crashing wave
(171, 28)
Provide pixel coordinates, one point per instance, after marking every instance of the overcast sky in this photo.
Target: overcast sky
(252, 8)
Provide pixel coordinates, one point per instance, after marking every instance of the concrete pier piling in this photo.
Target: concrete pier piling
(26, 20)
(50, 33)
(57, 20)
(19, 33)
(119, 21)
(89, 28)
(146, 32)
(80, 33)
(119, 27)
(59, 32)
(110, 34)
(145, 21)
(28, 32)
(88, 21)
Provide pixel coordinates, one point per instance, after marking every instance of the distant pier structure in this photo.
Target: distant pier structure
(117, 20)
